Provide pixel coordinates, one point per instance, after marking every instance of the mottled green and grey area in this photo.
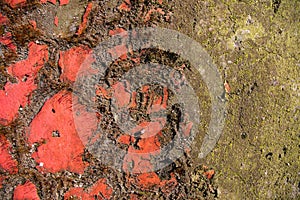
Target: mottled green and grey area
(255, 45)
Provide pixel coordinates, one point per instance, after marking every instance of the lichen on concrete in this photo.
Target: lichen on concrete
(255, 45)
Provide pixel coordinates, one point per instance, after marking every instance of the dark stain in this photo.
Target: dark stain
(276, 5)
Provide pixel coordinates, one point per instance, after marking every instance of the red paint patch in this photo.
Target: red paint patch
(15, 95)
(149, 129)
(125, 139)
(116, 31)
(3, 19)
(119, 51)
(138, 160)
(2, 178)
(63, 2)
(136, 60)
(101, 91)
(151, 180)
(51, 1)
(33, 24)
(56, 21)
(125, 6)
(86, 123)
(6, 40)
(26, 191)
(83, 24)
(187, 128)
(99, 190)
(148, 180)
(149, 13)
(158, 102)
(142, 149)
(121, 95)
(37, 56)
(165, 99)
(227, 87)
(209, 174)
(53, 127)
(72, 60)
(7, 162)
(15, 3)
(133, 102)
(133, 197)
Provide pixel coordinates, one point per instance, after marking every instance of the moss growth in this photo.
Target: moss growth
(255, 45)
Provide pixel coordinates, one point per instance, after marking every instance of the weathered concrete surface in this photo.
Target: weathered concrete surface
(253, 43)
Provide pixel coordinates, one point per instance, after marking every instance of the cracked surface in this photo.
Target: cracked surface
(253, 43)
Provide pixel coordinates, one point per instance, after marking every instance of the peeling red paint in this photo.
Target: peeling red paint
(2, 178)
(71, 60)
(165, 99)
(15, 95)
(151, 180)
(37, 56)
(149, 13)
(139, 160)
(158, 102)
(99, 190)
(149, 128)
(125, 6)
(83, 24)
(125, 139)
(120, 94)
(101, 91)
(147, 145)
(85, 122)
(6, 40)
(119, 51)
(26, 191)
(133, 197)
(148, 180)
(133, 103)
(51, 1)
(15, 3)
(3, 19)
(57, 153)
(209, 174)
(227, 87)
(136, 60)
(187, 128)
(33, 24)
(63, 2)
(116, 31)
(64, 150)
(7, 162)
(56, 21)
